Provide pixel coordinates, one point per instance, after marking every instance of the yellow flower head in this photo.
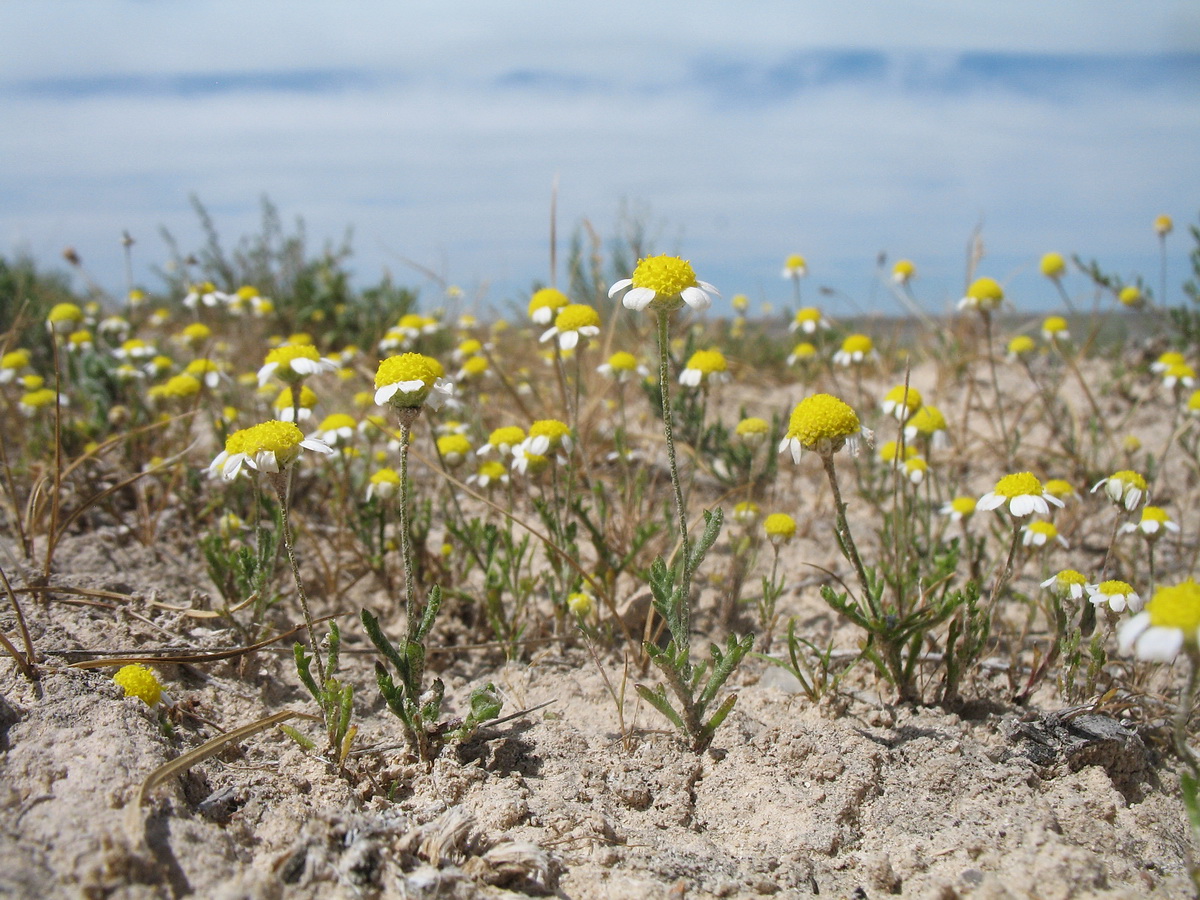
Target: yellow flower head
(1022, 492)
(503, 439)
(284, 403)
(580, 604)
(890, 453)
(410, 380)
(571, 322)
(1170, 619)
(1163, 225)
(802, 352)
(824, 424)
(15, 360)
(795, 266)
(454, 448)
(959, 508)
(64, 318)
(984, 294)
(808, 320)
(1067, 584)
(195, 334)
(1057, 487)
(1054, 266)
(901, 402)
(269, 447)
(545, 304)
(903, 271)
(1020, 346)
(1125, 488)
(620, 366)
(141, 682)
(548, 436)
(384, 484)
(780, 528)
(178, 387)
(1054, 328)
(666, 282)
(753, 430)
(740, 302)
(705, 367)
(32, 401)
(293, 362)
(856, 348)
(1039, 534)
(1131, 296)
(746, 512)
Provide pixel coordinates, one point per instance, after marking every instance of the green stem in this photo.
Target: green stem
(846, 539)
(279, 482)
(664, 384)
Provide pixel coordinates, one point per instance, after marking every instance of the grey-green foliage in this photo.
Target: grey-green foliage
(418, 708)
(335, 699)
(695, 686)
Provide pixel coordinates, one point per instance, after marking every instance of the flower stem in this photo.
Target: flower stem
(279, 482)
(664, 384)
(845, 538)
(987, 330)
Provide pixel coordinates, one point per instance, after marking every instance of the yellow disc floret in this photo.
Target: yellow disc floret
(822, 423)
(665, 275)
(1176, 607)
(141, 682)
(780, 528)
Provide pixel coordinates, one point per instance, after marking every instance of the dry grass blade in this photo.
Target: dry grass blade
(194, 657)
(133, 816)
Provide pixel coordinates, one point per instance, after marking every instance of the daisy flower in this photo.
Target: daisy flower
(1155, 522)
(746, 512)
(915, 469)
(1063, 490)
(503, 439)
(293, 363)
(269, 447)
(1179, 374)
(621, 366)
(857, 348)
(285, 406)
(984, 295)
(1163, 225)
(454, 449)
(177, 387)
(549, 436)
(928, 423)
(1116, 595)
(1166, 361)
(1053, 266)
(780, 528)
(1125, 488)
(705, 367)
(1054, 328)
(114, 327)
(1039, 534)
(740, 302)
(134, 349)
(384, 484)
(336, 429)
(474, 368)
(1020, 346)
(808, 320)
(193, 336)
(79, 341)
(1131, 297)
(204, 294)
(802, 352)
(795, 266)
(824, 424)
(526, 460)
(903, 271)
(1170, 619)
(753, 430)
(33, 401)
(889, 453)
(901, 402)
(207, 371)
(411, 380)
(13, 363)
(64, 318)
(490, 473)
(573, 321)
(1067, 584)
(664, 282)
(140, 681)
(959, 509)
(545, 304)
(1022, 492)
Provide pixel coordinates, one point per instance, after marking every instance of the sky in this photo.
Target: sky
(741, 132)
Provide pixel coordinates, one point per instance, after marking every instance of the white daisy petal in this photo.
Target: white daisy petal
(620, 286)
(638, 298)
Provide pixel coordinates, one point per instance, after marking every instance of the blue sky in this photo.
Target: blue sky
(746, 131)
